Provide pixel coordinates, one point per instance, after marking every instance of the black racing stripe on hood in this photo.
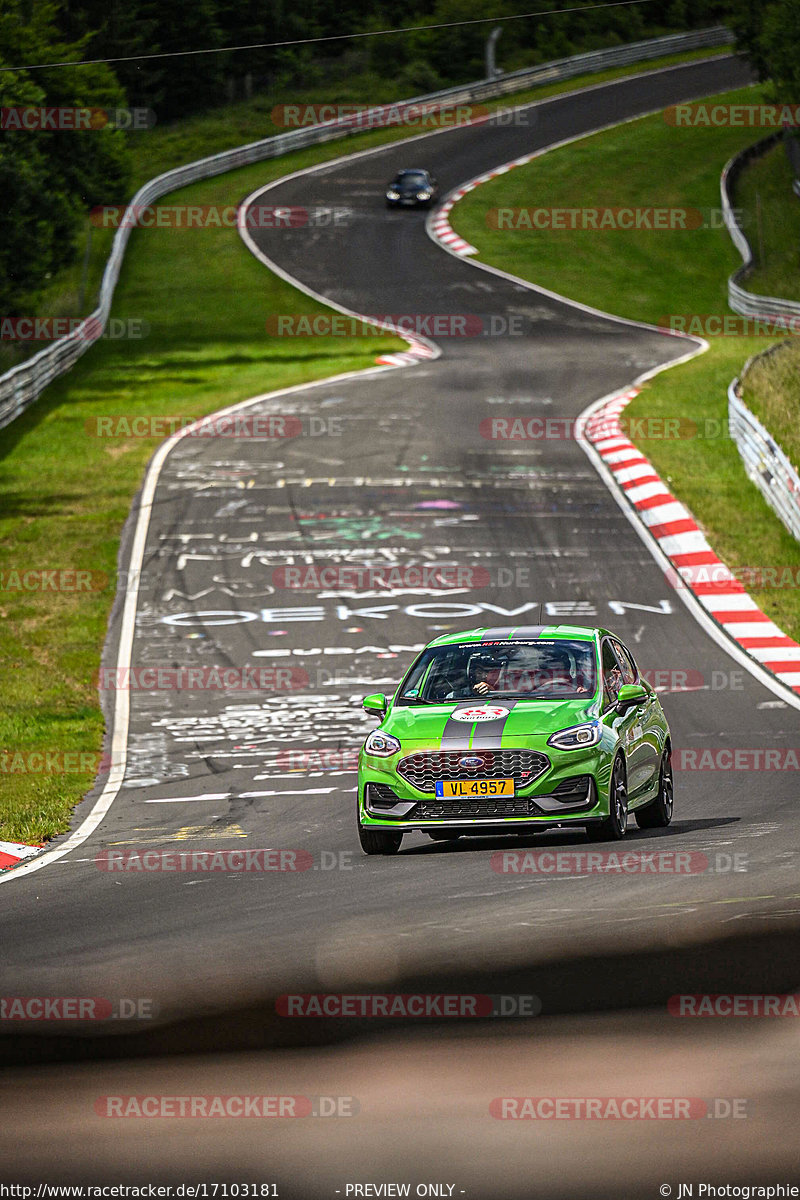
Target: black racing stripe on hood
(457, 733)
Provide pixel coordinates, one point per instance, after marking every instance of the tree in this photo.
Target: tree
(780, 38)
(50, 177)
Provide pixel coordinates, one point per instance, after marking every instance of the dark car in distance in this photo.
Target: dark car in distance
(411, 188)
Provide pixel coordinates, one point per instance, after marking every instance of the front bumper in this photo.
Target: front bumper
(574, 792)
(408, 202)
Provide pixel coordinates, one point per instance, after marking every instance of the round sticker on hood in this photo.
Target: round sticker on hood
(480, 712)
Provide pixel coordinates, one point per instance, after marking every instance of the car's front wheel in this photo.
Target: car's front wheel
(614, 827)
(658, 814)
(379, 841)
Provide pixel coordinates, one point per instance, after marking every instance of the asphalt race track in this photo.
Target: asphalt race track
(391, 468)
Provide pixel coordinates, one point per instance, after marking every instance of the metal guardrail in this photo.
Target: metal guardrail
(765, 462)
(749, 304)
(22, 385)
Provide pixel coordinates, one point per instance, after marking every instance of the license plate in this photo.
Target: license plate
(474, 787)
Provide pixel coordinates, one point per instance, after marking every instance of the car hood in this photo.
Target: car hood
(491, 724)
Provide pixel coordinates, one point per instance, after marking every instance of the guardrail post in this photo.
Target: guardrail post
(491, 44)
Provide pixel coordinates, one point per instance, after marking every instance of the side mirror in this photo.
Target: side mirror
(376, 703)
(630, 694)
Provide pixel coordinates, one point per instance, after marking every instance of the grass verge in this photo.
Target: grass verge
(771, 222)
(649, 275)
(772, 392)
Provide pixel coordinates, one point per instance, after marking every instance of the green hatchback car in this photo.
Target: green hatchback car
(510, 730)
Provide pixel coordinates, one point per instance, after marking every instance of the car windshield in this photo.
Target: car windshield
(541, 669)
(412, 178)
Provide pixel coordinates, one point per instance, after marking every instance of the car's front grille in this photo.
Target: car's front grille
(484, 806)
(423, 769)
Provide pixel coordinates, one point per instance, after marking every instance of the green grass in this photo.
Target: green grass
(646, 276)
(67, 494)
(771, 222)
(772, 392)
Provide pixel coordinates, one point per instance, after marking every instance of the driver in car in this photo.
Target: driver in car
(557, 672)
(484, 674)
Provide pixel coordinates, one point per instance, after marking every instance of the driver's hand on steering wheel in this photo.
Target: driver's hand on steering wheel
(482, 688)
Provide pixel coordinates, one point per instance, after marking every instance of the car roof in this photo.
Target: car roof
(492, 634)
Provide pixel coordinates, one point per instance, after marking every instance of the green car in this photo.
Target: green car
(511, 730)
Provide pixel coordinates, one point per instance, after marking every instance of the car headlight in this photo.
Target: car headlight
(392, 195)
(382, 744)
(423, 195)
(576, 737)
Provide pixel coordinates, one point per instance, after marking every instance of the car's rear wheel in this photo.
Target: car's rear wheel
(658, 814)
(614, 827)
(444, 835)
